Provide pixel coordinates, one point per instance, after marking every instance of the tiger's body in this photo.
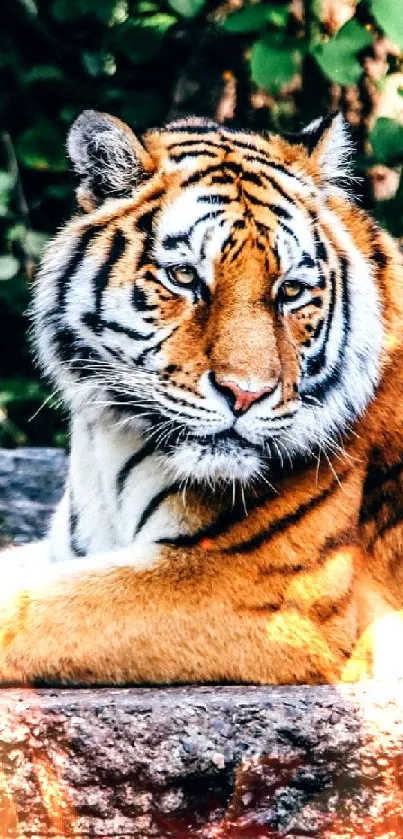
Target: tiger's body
(226, 328)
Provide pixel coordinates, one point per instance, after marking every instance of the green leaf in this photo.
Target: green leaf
(187, 8)
(160, 22)
(254, 18)
(42, 73)
(389, 15)
(30, 6)
(386, 138)
(9, 267)
(35, 243)
(41, 147)
(20, 389)
(146, 7)
(66, 10)
(108, 12)
(7, 183)
(338, 57)
(99, 63)
(274, 61)
(120, 12)
(16, 234)
(140, 40)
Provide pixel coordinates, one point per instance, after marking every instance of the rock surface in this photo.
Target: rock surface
(31, 483)
(189, 762)
(203, 762)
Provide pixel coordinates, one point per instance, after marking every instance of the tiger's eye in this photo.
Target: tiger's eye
(290, 290)
(183, 275)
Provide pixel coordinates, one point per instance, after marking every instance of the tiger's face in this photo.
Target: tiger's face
(214, 296)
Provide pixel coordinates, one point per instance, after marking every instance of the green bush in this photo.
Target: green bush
(147, 61)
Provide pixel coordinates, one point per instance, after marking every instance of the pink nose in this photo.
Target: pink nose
(241, 400)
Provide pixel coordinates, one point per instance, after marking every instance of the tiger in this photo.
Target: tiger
(224, 325)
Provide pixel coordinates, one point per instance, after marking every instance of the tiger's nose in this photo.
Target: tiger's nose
(237, 397)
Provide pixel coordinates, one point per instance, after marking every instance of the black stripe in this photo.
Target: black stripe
(212, 214)
(375, 490)
(264, 229)
(240, 144)
(69, 346)
(273, 183)
(345, 300)
(223, 179)
(144, 225)
(196, 128)
(252, 199)
(155, 196)
(202, 173)
(177, 158)
(172, 240)
(214, 198)
(134, 460)
(230, 240)
(284, 523)
(279, 211)
(307, 261)
(196, 142)
(139, 297)
(102, 276)
(228, 519)
(276, 209)
(333, 378)
(316, 364)
(395, 519)
(155, 347)
(252, 178)
(271, 164)
(379, 256)
(258, 159)
(288, 230)
(98, 324)
(232, 255)
(320, 248)
(75, 547)
(72, 266)
(153, 505)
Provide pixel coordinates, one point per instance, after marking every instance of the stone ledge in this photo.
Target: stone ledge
(233, 762)
(31, 483)
(191, 762)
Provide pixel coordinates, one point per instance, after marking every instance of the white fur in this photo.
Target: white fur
(336, 151)
(102, 444)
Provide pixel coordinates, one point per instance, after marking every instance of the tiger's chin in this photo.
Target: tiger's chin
(216, 463)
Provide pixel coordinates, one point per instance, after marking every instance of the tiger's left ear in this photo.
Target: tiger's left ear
(328, 143)
(108, 156)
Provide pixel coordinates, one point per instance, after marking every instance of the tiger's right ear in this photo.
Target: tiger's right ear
(108, 156)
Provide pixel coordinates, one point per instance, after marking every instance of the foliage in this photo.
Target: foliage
(265, 65)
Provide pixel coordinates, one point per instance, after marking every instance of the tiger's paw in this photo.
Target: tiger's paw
(378, 653)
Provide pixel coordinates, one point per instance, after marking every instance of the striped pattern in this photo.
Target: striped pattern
(149, 305)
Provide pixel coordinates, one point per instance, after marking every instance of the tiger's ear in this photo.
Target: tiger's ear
(328, 143)
(108, 156)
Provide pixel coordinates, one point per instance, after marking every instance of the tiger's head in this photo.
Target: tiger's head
(217, 292)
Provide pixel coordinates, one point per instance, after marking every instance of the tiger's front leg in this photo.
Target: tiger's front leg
(169, 616)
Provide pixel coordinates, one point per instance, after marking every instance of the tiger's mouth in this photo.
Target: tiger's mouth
(222, 439)
(228, 441)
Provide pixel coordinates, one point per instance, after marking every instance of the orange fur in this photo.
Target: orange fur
(283, 594)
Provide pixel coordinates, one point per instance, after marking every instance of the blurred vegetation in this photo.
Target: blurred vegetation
(262, 65)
